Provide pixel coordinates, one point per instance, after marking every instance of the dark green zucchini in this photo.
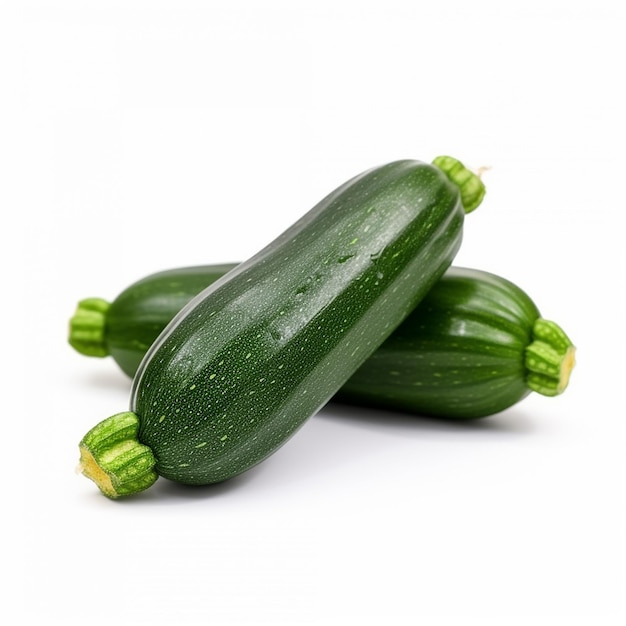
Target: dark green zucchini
(255, 354)
(128, 325)
(475, 346)
(469, 349)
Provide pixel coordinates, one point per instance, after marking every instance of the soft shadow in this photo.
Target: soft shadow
(513, 420)
(106, 380)
(175, 492)
(317, 454)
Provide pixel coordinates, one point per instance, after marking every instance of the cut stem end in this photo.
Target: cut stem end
(113, 458)
(87, 327)
(549, 359)
(471, 187)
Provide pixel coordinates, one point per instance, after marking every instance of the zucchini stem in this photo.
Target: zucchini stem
(87, 325)
(113, 458)
(471, 187)
(549, 359)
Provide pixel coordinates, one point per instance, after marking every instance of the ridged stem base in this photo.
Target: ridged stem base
(471, 187)
(87, 325)
(549, 359)
(112, 456)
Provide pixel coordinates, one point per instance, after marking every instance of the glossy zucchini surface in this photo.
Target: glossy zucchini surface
(255, 354)
(464, 352)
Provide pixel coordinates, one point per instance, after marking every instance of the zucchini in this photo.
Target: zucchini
(128, 325)
(474, 346)
(255, 354)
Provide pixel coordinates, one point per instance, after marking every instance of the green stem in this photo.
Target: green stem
(86, 333)
(112, 456)
(470, 185)
(549, 359)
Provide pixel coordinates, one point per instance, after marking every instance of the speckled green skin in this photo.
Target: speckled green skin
(459, 354)
(246, 362)
(146, 307)
(138, 314)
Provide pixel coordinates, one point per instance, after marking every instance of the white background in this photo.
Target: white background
(143, 135)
